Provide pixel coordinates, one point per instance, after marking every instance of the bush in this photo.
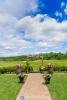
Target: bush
(28, 69)
(55, 68)
(41, 69)
(13, 69)
(7, 70)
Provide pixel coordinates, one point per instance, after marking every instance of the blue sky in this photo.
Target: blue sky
(32, 26)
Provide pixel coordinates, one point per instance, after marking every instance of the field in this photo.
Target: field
(58, 87)
(9, 87)
(35, 64)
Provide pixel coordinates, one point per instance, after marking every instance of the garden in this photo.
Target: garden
(10, 66)
(9, 82)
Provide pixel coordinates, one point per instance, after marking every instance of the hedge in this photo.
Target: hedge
(55, 68)
(13, 69)
(30, 69)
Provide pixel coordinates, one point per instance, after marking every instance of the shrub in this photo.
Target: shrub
(28, 69)
(7, 70)
(61, 68)
(55, 68)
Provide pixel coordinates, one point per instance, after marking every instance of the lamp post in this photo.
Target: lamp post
(27, 64)
(42, 60)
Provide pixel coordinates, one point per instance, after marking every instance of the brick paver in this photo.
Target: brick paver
(34, 89)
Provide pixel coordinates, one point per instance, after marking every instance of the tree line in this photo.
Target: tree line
(45, 56)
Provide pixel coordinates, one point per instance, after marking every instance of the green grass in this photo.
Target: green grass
(35, 64)
(59, 63)
(11, 63)
(9, 87)
(58, 86)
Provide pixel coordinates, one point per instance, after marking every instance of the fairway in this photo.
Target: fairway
(35, 64)
(9, 87)
(58, 86)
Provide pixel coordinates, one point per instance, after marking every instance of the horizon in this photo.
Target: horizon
(32, 54)
(29, 27)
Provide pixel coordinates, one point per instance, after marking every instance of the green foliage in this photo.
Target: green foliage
(7, 70)
(46, 56)
(10, 66)
(28, 67)
(58, 65)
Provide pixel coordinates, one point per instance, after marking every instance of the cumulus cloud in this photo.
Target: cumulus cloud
(23, 34)
(10, 12)
(46, 30)
(18, 7)
(30, 34)
(10, 42)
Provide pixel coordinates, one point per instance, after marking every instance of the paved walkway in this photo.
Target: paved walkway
(34, 89)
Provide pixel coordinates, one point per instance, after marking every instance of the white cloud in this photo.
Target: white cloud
(62, 4)
(11, 42)
(58, 14)
(18, 7)
(13, 46)
(48, 33)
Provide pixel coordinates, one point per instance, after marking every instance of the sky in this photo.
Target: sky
(32, 27)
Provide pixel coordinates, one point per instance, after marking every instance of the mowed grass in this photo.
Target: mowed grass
(56, 63)
(9, 87)
(58, 86)
(35, 64)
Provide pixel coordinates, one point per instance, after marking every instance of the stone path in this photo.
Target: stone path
(34, 89)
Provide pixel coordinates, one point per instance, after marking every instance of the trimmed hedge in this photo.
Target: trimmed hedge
(13, 69)
(7, 70)
(29, 69)
(55, 68)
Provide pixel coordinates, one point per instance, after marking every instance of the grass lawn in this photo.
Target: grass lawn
(35, 64)
(9, 87)
(58, 86)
